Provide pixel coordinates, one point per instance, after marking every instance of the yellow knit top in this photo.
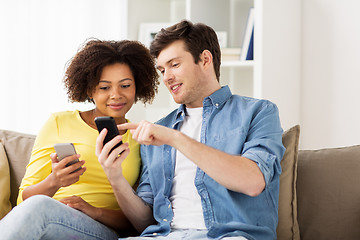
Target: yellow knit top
(93, 185)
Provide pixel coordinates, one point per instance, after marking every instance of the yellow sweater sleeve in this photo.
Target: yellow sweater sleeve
(39, 166)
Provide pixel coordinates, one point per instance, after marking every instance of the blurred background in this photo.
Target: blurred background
(307, 57)
(38, 38)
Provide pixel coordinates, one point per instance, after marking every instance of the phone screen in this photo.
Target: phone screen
(110, 124)
(64, 150)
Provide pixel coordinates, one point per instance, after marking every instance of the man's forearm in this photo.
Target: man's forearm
(138, 212)
(234, 172)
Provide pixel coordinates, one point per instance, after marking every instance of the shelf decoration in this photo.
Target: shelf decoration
(222, 38)
(248, 41)
(148, 31)
(230, 54)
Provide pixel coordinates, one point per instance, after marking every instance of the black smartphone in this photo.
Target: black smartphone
(64, 150)
(110, 124)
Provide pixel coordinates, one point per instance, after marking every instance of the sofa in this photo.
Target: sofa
(319, 197)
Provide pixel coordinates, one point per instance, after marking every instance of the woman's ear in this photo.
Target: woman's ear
(90, 94)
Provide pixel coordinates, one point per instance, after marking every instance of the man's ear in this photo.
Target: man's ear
(206, 58)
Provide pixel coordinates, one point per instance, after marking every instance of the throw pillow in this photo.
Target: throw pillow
(5, 205)
(18, 148)
(329, 194)
(288, 227)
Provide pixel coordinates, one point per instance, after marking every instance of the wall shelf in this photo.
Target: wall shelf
(242, 64)
(274, 73)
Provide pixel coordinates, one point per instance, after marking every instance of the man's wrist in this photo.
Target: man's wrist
(178, 139)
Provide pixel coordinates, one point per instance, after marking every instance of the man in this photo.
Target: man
(210, 168)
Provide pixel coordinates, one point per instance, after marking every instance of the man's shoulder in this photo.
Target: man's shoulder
(169, 119)
(250, 102)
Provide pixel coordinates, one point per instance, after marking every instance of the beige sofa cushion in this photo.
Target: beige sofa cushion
(329, 193)
(288, 227)
(18, 148)
(5, 205)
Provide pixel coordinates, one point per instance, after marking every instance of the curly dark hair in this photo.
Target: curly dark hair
(85, 68)
(197, 37)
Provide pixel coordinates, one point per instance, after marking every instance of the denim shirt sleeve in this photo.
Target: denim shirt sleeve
(144, 190)
(264, 141)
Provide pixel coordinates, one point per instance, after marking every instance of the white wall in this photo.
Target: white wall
(330, 91)
(31, 81)
(37, 39)
(277, 74)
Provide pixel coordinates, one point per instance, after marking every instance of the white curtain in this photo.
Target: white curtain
(38, 37)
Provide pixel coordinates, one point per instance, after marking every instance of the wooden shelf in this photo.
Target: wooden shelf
(245, 64)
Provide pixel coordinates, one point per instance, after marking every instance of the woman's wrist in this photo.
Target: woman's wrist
(52, 183)
(121, 186)
(98, 213)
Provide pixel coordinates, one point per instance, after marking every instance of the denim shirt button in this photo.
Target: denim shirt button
(154, 234)
(217, 105)
(165, 220)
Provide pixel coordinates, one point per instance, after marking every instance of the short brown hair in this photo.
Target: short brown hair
(85, 68)
(197, 37)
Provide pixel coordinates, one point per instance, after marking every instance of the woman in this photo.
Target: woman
(81, 204)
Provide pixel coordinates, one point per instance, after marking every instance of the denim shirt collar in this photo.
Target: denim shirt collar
(217, 99)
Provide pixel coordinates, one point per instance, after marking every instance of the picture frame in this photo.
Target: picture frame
(147, 31)
(222, 37)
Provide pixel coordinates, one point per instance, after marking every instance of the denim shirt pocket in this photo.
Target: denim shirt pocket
(230, 141)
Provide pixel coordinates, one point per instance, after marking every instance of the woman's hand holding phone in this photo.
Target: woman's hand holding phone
(66, 171)
(110, 158)
(112, 130)
(60, 176)
(110, 150)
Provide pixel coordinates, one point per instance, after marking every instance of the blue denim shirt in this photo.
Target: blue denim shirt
(236, 125)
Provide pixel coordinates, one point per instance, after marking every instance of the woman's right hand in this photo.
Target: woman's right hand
(138, 213)
(111, 162)
(62, 175)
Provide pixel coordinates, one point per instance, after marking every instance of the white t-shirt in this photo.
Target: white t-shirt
(185, 199)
